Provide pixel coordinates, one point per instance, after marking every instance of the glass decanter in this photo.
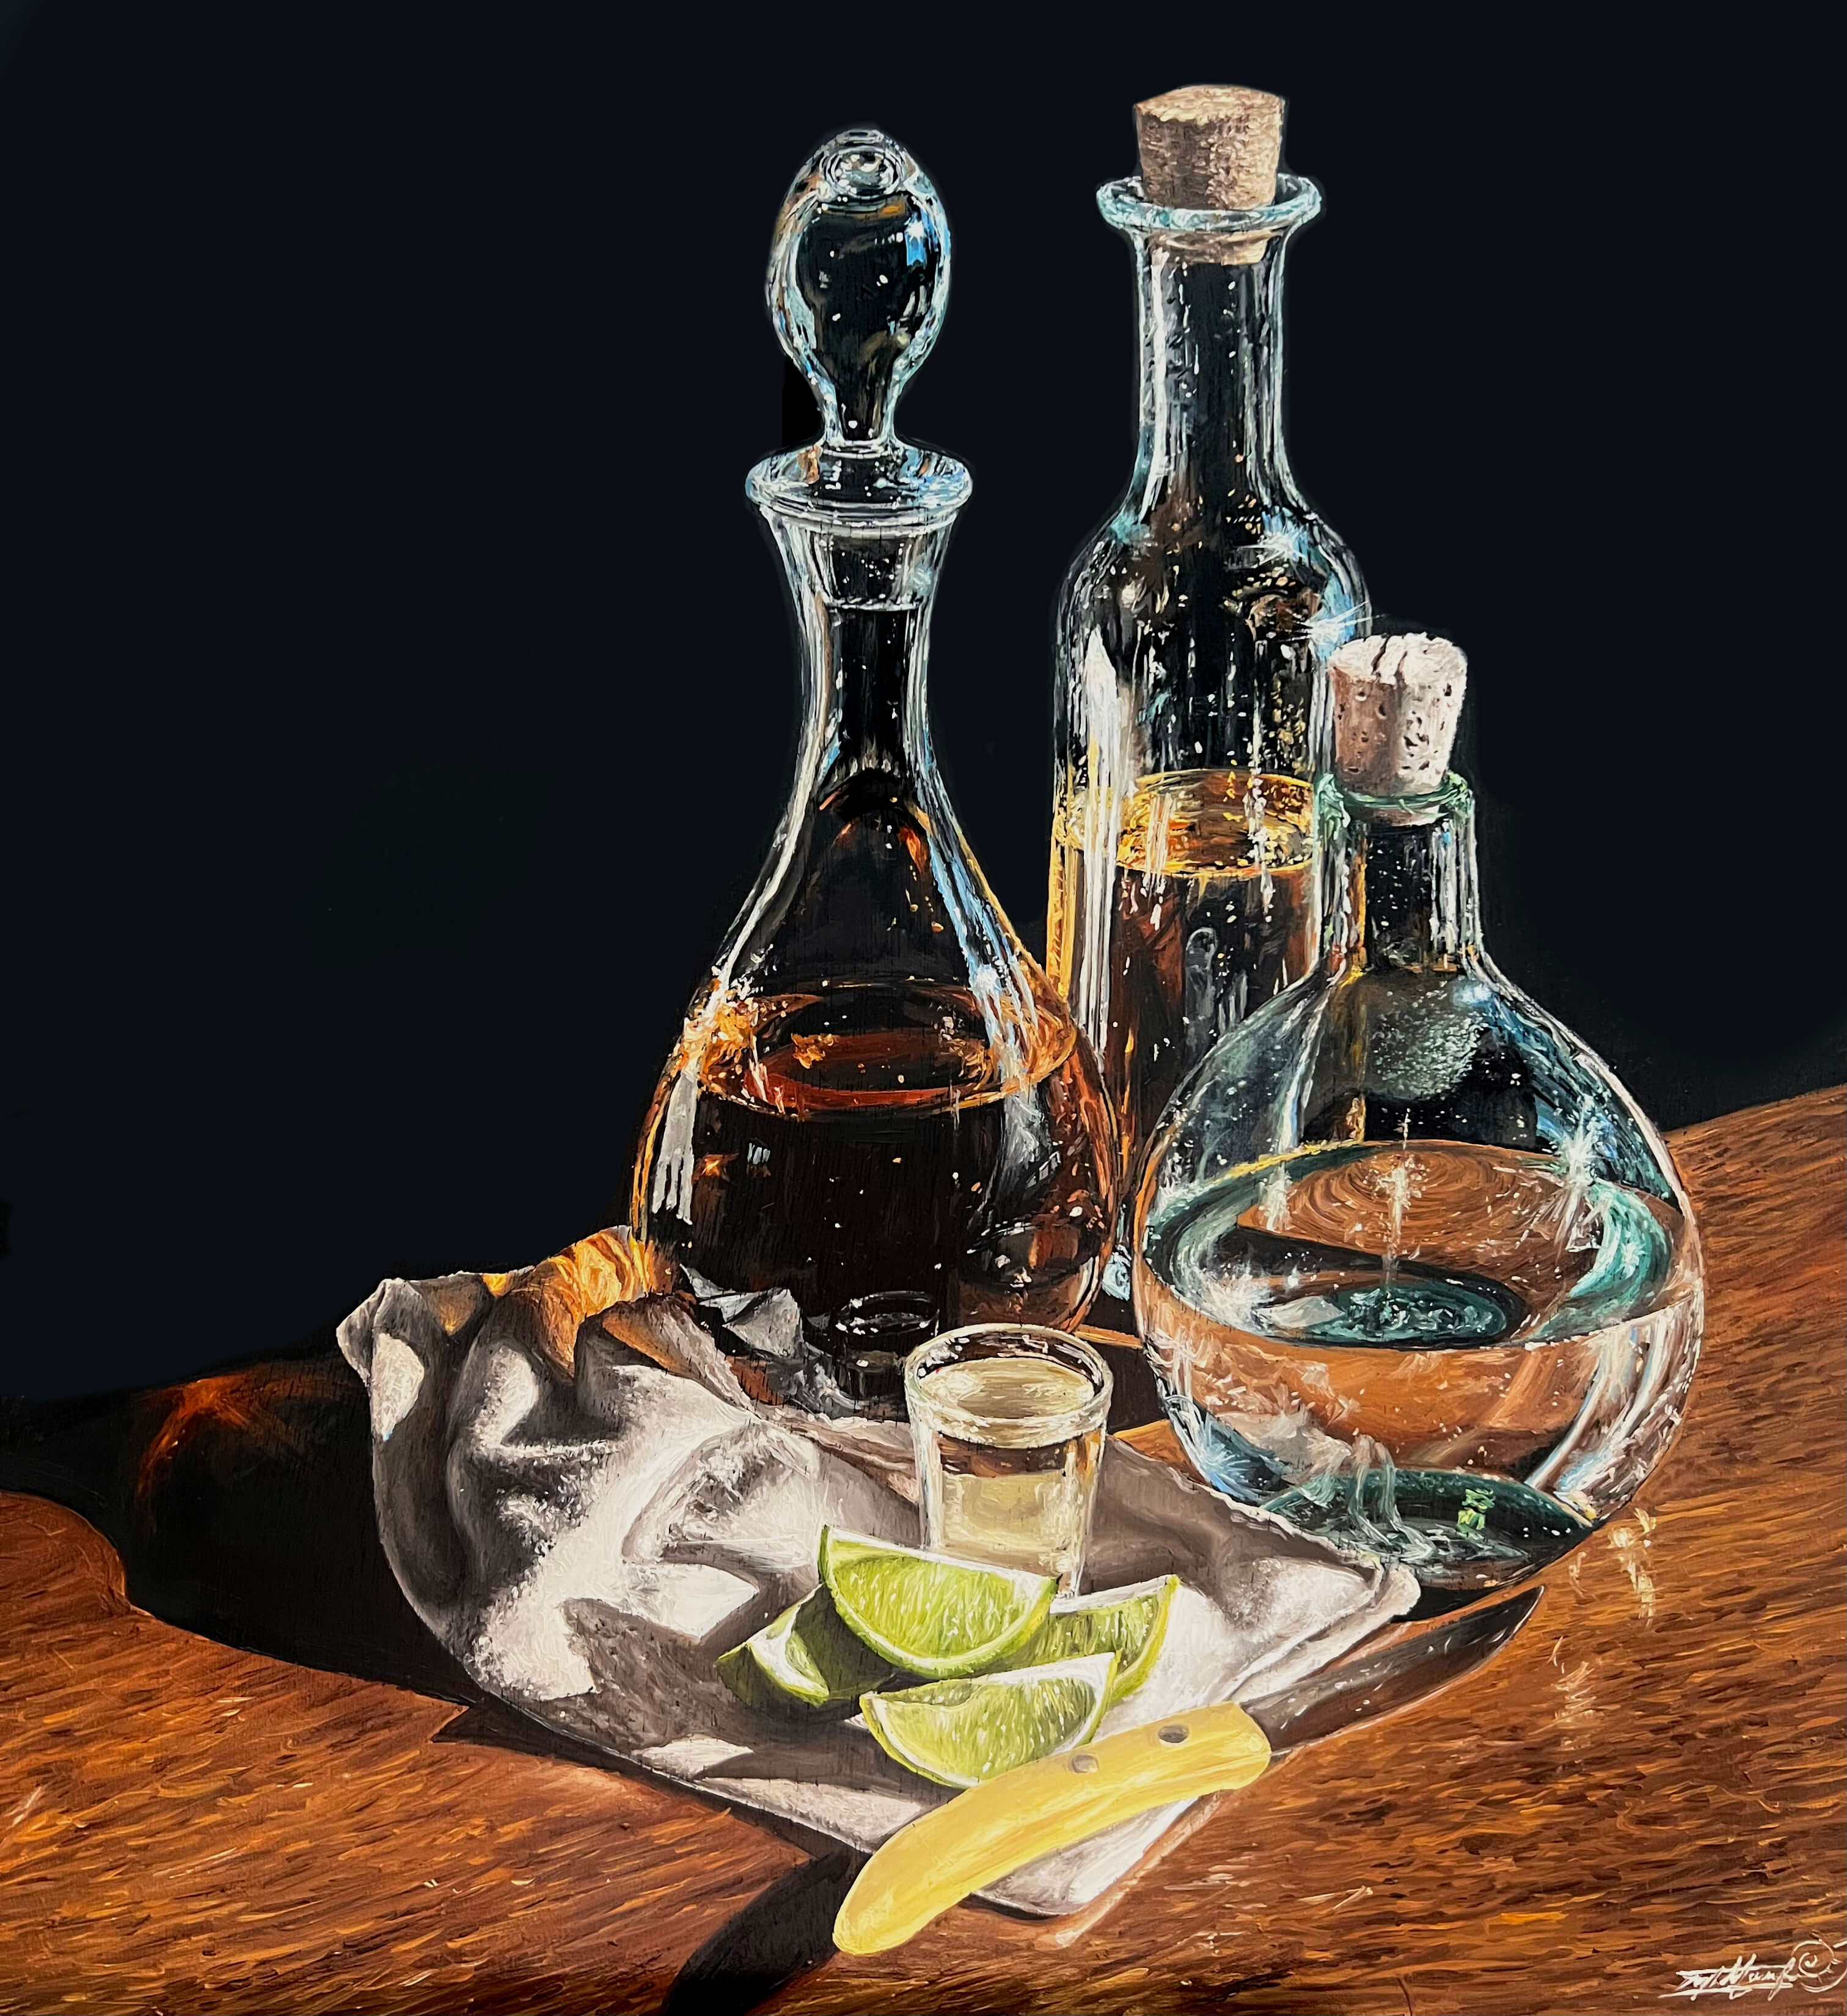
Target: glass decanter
(1411, 1268)
(1191, 633)
(878, 1105)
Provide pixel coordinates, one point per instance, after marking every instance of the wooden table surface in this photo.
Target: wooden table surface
(1648, 1781)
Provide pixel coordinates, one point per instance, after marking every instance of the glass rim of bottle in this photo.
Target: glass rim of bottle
(791, 485)
(931, 1412)
(1124, 205)
(1453, 795)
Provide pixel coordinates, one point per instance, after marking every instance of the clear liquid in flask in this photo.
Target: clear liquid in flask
(1430, 1347)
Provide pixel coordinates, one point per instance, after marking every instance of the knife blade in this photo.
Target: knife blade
(986, 1833)
(1362, 1689)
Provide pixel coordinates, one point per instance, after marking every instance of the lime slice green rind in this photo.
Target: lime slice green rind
(1131, 1623)
(806, 1660)
(740, 1673)
(934, 1616)
(957, 1733)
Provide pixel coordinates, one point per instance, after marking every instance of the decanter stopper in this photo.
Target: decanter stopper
(1396, 703)
(859, 279)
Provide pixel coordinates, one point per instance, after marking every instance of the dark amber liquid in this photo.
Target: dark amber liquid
(867, 1140)
(1208, 910)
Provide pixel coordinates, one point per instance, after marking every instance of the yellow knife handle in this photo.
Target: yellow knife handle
(992, 1829)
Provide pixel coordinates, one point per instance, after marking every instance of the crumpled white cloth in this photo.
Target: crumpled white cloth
(587, 1545)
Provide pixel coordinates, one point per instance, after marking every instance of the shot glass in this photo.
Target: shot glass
(1008, 1420)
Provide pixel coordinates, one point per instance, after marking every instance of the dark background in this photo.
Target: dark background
(398, 689)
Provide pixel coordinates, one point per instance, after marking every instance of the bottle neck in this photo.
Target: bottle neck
(863, 604)
(1401, 891)
(869, 879)
(1211, 380)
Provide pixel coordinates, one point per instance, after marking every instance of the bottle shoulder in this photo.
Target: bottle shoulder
(1161, 570)
(872, 887)
(1457, 1051)
(1254, 540)
(1181, 642)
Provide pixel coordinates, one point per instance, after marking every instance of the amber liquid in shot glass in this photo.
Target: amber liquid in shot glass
(1008, 1420)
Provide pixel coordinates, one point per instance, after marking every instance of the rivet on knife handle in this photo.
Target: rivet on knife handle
(990, 1830)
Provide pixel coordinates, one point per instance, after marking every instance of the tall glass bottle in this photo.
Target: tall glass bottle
(879, 1104)
(1191, 632)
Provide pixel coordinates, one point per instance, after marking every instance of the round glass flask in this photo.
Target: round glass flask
(1412, 1269)
(879, 1111)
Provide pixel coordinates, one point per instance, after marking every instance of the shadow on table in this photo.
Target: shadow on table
(241, 1506)
(772, 1940)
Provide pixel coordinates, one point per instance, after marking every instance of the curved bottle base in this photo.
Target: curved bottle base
(1472, 1416)
(1462, 1532)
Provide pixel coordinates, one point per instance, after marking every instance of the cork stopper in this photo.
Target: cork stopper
(1396, 703)
(1210, 147)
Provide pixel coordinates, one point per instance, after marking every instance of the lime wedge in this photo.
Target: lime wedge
(932, 1615)
(959, 1731)
(806, 1660)
(1131, 1622)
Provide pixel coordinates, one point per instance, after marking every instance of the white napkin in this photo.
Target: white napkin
(587, 1543)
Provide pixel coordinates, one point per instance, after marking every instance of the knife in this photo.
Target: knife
(988, 1832)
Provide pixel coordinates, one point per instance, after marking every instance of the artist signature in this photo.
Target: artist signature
(1815, 1966)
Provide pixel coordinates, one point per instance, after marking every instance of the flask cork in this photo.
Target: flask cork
(1211, 146)
(1396, 703)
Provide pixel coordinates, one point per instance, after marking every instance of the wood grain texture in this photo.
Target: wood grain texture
(1650, 1779)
